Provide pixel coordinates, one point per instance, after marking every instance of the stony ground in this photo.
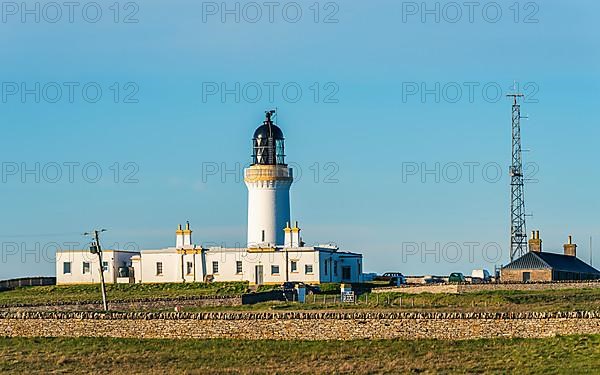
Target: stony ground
(574, 354)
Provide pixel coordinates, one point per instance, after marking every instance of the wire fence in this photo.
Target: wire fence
(378, 300)
(372, 300)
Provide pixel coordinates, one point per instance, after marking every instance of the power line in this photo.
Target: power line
(39, 235)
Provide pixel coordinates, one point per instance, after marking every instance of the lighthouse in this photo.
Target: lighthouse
(268, 180)
(275, 254)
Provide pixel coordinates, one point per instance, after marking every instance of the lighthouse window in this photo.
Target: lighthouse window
(308, 269)
(238, 267)
(263, 236)
(190, 268)
(66, 268)
(280, 151)
(86, 267)
(159, 268)
(294, 266)
(215, 267)
(274, 270)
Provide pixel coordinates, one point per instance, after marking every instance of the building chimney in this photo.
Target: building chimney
(535, 243)
(179, 237)
(292, 236)
(183, 237)
(570, 248)
(187, 236)
(287, 243)
(296, 240)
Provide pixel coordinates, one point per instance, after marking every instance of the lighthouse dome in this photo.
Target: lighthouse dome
(268, 143)
(267, 130)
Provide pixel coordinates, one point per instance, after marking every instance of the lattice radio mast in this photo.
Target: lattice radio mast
(518, 230)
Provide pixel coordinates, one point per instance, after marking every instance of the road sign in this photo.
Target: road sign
(348, 297)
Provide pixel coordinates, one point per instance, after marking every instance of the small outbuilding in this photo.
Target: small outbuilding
(539, 266)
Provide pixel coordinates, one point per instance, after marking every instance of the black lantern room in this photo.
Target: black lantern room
(268, 143)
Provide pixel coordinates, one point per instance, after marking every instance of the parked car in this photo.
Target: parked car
(394, 278)
(310, 289)
(456, 277)
(432, 280)
(480, 276)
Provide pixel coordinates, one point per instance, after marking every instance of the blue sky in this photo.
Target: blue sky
(167, 129)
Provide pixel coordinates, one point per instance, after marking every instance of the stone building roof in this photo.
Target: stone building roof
(558, 262)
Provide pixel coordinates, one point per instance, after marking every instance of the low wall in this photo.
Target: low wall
(273, 295)
(299, 325)
(127, 305)
(470, 288)
(418, 289)
(152, 303)
(27, 281)
(528, 286)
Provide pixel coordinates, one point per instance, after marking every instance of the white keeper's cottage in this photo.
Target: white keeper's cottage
(275, 252)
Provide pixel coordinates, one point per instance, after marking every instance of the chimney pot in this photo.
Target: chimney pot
(570, 248)
(535, 243)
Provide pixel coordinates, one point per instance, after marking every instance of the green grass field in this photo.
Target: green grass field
(550, 300)
(49, 294)
(572, 355)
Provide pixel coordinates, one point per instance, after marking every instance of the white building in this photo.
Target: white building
(269, 265)
(275, 252)
(82, 267)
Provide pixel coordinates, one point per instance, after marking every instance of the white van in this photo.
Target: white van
(480, 276)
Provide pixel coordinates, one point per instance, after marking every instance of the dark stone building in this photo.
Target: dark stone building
(537, 265)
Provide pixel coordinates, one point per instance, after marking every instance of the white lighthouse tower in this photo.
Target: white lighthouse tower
(268, 180)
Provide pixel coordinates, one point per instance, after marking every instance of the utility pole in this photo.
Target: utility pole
(518, 230)
(591, 252)
(97, 249)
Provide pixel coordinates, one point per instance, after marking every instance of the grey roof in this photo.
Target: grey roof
(559, 262)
